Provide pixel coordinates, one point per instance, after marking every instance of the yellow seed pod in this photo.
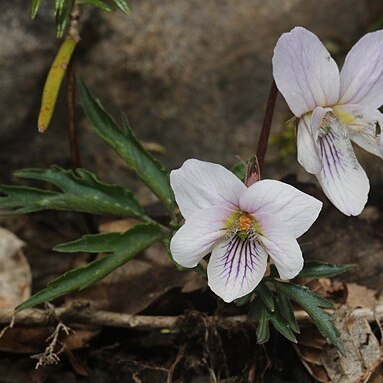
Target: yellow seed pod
(53, 83)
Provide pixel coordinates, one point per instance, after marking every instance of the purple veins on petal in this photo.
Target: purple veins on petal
(239, 257)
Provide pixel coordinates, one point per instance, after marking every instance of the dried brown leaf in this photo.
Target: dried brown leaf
(120, 225)
(360, 296)
(79, 338)
(363, 351)
(24, 340)
(15, 273)
(329, 288)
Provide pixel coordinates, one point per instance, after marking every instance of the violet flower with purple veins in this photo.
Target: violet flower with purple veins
(334, 109)
(241, 226)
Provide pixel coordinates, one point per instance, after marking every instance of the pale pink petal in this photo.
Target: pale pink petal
(198, 185)
(307, 140)
(361, 121)
(304, 71)
(342, 178)
(296, 209)
(281, 245)
(368, 141)
(235, 268)
(361, 78)
(197, 237)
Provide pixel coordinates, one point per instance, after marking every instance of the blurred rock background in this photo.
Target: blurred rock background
(192, 75)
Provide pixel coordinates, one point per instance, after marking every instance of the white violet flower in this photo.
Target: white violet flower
(334, 109)
(240, 226)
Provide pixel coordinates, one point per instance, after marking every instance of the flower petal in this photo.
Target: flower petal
(307, 138)
(281, 245)
(199, 184)
(361, 78)
(342, 178)
(304, 71)
(296, 209)
(235, 268)
(198, 235)
(368, 141)
(361, 121)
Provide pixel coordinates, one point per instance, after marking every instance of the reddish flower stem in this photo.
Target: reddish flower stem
(266, 125)
(72, 126)
(74, 33)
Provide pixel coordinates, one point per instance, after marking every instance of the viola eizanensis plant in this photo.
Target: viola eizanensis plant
(246, 229)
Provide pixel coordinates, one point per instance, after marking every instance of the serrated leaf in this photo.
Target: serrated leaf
(282, 326)
(80, 191)
(53, 83)
(266, 295)
(127, 146)
(35, 8)
(122, 246)
(313, 304)
(303, 293)
(91, 243)
(260, 313)
(315, 269)
(122, 5)
(99, 4)
(287, 311)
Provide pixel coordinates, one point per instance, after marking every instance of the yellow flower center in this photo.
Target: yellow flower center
(245, 222)
(242, 224)
(345, 118)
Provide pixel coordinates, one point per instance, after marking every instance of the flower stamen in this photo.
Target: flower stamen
(245, 222)
(245, 226)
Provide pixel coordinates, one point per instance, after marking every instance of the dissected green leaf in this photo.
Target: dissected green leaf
(35, 8)
(266, 295)
(122, 5)
(304, 294)
(80, 191)
(313, 304)
(287, 311)
(91, 243)
(260, 313)
(122, 246)
(282, 326)
(315, 269)
(99, 4)
(126, 145)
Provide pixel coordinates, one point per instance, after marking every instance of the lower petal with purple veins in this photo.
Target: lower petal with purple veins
(343, 180)
(236, 266)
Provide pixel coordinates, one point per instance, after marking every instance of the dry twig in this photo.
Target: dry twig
(83, 313)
